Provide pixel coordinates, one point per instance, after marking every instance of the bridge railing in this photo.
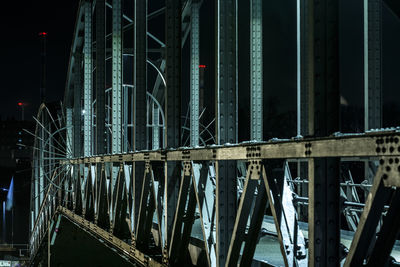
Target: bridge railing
(166, 206)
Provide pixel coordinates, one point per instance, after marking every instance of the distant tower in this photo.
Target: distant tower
(43, 36)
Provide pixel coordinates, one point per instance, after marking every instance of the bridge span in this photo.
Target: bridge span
(155, 158)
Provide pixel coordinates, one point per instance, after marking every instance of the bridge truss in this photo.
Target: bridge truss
(124, 160)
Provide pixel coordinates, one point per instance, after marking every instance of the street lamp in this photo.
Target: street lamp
(21, 104)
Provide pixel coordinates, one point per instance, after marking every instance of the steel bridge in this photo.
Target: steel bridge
(141, 164)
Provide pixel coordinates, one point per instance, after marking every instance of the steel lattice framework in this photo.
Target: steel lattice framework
(124, 160)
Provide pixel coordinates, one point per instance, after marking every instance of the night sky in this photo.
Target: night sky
(20, 23)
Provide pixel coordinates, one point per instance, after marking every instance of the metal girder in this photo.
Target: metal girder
(173, 27)
(255, 226)
(77, 107)
(367, 227)
(101, 217)
(139, 110)
(256, 71)
(372, 64)
(278, 174)
(89, 195)
(242, 217)
(101, 145)
(226, 121)
(140, 74)
(178, 223)
(87, 87)
(117, 98)
(324, 185)
(117, 77)
(173, 72)
(156, 129)
(194, 75)
(36, 189)
(303, 71)
(387, 235)
(41, 166)
(323, 63)
(142, 236)
(69, 133)
(346, 146)
(302, 89)
(324, 212)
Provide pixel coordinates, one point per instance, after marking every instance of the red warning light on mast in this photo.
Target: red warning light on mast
(202, 66)
(20, 104)
(43, 34)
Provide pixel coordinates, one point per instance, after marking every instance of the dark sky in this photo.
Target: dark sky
(20, 23)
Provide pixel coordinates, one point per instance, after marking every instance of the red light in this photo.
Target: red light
(202, 66)
(42, 34)
(20, 104)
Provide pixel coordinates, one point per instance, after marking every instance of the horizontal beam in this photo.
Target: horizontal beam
(375, 144)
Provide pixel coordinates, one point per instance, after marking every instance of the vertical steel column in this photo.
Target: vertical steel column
(302, 92)
(156, 129)
(140, 74)
(37, 187)
(298, 66)
(226, 121)
(42, 170)
(116, 98)
(77, 111)
(173, 33)
(116, 77)
(100, 77)
(372, 64)
(173, 72)
(140, 89)
(87, 88)
(303, 77)
(256, 92)
(69, 133)
(194, 75)
(324, 184)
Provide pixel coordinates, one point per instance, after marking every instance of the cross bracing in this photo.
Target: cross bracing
(144, 154)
